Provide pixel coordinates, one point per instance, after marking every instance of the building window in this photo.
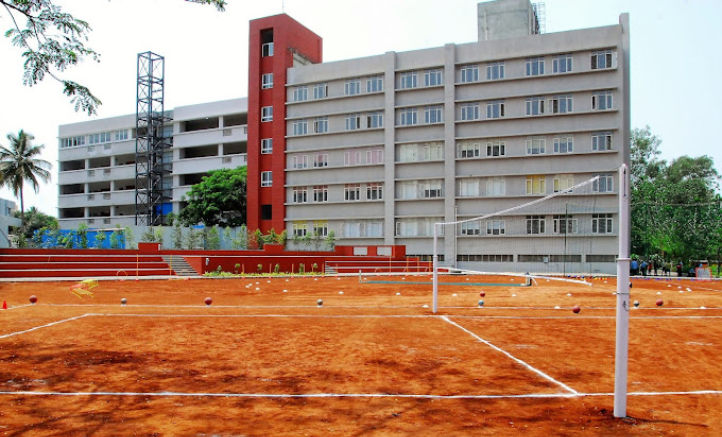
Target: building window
(563, 182)
(267, 113)
(565, 224)
(300, 195)
(266, 145)
(266, 178)
(407, 80)
(353, 121)
(320, 91)
(320, 160)
(535, 146)
(432, 114)
(432, 78)
(469, 187)
(320, 229)
(564, 145)
(601, 59)
(320, 125)
(602, 100)
(267, 49)
(352, 192)
(121, 135)
(469, 111)
(495, 148)
(300, 94)
(605, 184)
(535, 224)
(408, 117)
(601, 141)
(267, 80)
(495, 186)
(300, 229)
(374, 84)
(374, 191)
(494, 109)
(495, 227)
(534, 105)
(495, 71)
(299, 161)
(471, 228)
(561, 104)
(375, 156)
(375, 120)
(562, 63)
(536, 185)
(352, 87)
(300, 127)
(266, 212)
(431, 189)
(352, 157)
(99, 138)
(469, 73)
(469, 150)
(602, 223)
(320, 193)
(534, 66)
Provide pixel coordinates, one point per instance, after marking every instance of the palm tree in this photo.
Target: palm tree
(17, 165)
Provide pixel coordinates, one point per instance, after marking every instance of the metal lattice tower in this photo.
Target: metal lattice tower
(151, 143)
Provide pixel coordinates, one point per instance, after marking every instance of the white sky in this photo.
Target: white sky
(676, 67)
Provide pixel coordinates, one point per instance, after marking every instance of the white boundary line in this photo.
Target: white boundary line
(44, 326)
(354, 395)
(517, 360)
(18, 307)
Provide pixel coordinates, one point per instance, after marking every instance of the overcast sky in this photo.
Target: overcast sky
(676, 67)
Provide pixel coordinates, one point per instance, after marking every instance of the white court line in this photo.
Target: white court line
(302, 316)
(353, 395)
(18, 307)
(481, 317)
(229, 306)
(44, 326)
(517, 360)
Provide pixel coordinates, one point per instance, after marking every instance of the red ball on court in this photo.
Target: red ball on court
(33, 299)
(482, 294)
(208, 301)
(660, 302)
(576, 309)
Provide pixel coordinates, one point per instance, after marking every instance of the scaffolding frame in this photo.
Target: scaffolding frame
(151, 143)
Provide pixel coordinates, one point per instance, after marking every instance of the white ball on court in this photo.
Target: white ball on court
(398, 294)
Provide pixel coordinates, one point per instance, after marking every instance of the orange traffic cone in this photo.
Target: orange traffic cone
(5, 305)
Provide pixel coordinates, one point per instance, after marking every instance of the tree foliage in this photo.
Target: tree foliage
(53, 40)
(219, 199)
(675, 206)
(19, 163)
(35, 220)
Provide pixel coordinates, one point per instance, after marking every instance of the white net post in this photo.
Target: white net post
(622, 336)
(435, 267)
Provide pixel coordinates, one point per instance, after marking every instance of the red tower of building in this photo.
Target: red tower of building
(275, 44)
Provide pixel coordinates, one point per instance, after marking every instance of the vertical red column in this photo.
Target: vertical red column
(273, 41)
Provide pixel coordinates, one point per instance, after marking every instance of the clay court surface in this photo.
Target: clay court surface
(264, 358)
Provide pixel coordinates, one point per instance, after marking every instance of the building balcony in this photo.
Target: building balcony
(208, 163)
(96, 174)
(211, 136)
(108, 198)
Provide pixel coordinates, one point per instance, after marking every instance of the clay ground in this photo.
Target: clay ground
(264, 359)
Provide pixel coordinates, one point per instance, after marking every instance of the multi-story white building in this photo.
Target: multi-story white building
(377, 149)
(96, 179)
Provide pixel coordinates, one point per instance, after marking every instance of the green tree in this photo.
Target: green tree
(100, 237)
(177, 236)
(19, 164)
(82, 235)
(53, 40)
(675, 206)
(219, 199)
(35, 221)
(214, 238)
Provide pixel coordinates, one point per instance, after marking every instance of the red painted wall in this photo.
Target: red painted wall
(289, 36)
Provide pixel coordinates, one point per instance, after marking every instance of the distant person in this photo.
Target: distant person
(634, 267)
(666, 267)
(691, 273)
(644, 266)
(679, 269)
(655, 266)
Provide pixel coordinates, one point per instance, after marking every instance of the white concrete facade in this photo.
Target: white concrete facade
(96, 177)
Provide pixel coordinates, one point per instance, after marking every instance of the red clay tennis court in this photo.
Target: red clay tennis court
(265, 358)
